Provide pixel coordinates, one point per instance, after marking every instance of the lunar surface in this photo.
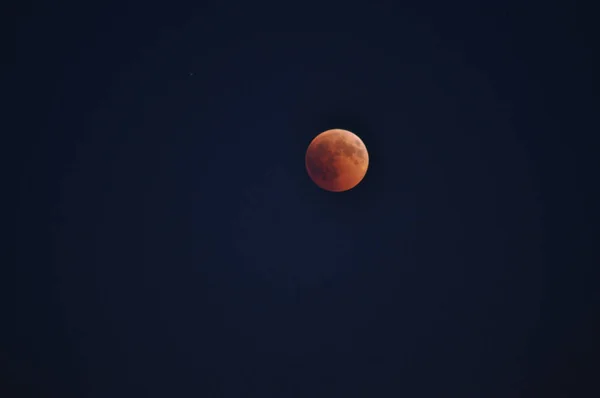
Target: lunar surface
(337, 160)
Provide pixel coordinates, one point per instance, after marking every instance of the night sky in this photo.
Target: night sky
(169, 242)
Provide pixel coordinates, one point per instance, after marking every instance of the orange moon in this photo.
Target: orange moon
(337, 160)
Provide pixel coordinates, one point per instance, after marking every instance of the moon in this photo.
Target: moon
(337, 160)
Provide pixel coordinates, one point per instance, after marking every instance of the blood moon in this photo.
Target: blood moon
(337, 160)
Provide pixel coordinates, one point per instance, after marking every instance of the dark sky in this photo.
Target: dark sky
(169, 243)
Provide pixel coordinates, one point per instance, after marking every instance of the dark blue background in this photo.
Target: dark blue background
(170, 244)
